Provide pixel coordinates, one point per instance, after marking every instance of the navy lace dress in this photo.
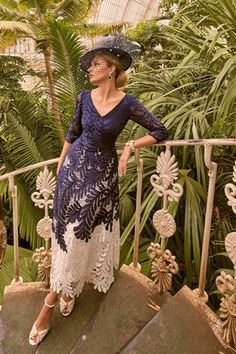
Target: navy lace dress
(85, 240)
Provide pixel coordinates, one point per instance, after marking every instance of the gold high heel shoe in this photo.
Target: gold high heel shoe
(36, 336)
(66, 307)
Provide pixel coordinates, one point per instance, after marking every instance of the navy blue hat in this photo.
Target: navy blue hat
(115, 45)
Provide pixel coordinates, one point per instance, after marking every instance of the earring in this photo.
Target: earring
(109, 77)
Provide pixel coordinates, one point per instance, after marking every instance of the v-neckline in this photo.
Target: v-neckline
(95, 108)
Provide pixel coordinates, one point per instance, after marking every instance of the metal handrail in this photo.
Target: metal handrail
(190, 142)
(28, 168)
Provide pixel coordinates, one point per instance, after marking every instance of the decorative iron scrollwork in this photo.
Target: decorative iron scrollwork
(45, 184)
(164, 223)
(163, 267)
(225, 285)
(164, 183)
(230, 191)
(43, 257)
(167, 173)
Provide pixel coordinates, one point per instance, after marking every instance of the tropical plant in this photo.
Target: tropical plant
(33, 19)
(11, 71)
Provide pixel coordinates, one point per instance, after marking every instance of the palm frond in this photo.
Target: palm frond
(67, 49)
(10, 10)
(17, 27)
(92, 30)
(20, 143)
(72, 10)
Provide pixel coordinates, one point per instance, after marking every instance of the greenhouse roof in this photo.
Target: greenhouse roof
(131, 11)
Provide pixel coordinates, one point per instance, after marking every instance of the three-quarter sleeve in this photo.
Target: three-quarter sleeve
(142, 116)
(75, 129)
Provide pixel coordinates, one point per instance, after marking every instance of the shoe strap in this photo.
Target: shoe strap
(49, 306)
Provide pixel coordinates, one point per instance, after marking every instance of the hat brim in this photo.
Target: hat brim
(123, 56)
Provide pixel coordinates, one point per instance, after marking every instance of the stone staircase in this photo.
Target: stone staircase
(117, 322)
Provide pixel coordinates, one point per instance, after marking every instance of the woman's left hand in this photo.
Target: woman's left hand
(122, 167)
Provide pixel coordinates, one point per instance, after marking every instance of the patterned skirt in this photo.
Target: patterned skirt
(85, 232)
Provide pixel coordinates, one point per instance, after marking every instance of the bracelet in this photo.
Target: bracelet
(131, 144)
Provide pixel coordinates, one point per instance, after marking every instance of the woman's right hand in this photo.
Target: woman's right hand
(122, 167)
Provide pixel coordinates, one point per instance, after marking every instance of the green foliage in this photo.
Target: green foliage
(26, 138)
(11, 71)
(146, 33)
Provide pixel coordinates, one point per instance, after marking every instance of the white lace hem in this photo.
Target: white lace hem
(90, 262)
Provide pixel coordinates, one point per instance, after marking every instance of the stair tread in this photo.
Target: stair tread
(20, 310)
(123, 312)
(178, 328)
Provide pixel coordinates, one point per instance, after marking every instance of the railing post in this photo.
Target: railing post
(13, 190)
(135, 265)
(212, 169)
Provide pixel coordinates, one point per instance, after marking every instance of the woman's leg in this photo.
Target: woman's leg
(44, 318)
(42, 324)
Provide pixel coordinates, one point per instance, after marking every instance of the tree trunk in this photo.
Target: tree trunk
(51, 86)
(3, 234)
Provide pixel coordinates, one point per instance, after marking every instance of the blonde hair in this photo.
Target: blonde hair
(121, 75)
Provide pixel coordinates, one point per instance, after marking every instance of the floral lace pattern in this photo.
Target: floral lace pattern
(91, 262)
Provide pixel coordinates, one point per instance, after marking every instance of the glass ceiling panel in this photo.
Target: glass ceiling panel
(131, 11)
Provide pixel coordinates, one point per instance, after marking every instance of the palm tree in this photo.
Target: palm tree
(33, 19)
(38, 19)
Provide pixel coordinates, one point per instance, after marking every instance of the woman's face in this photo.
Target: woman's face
(99, 70)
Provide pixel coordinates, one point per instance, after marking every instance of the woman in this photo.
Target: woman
(85, 242)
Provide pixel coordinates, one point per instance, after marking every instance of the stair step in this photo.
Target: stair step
(182, 326)
(121, 315)
(20, 309)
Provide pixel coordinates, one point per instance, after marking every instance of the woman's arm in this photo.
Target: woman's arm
(138, 143)
(73, 132)
(142, 116)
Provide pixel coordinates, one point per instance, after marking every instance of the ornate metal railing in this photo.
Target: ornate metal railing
(13, 190)
(165, 185)
(225, 283)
